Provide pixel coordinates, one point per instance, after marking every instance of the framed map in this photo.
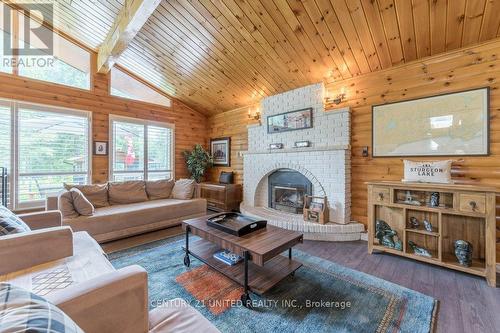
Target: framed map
(454, 124)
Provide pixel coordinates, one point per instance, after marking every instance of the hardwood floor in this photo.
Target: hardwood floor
(466, 302)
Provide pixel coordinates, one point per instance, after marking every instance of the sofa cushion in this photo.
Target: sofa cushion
(23, 311)
(183, 189)
(10, 223)
(97, 194)
(65, 205)
(127, 192)
(81, 204)
(120, 217)
(178, 316)
(159, 189)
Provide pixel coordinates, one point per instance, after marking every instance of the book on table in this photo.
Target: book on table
(227, 257)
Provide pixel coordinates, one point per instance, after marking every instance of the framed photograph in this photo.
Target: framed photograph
(220, 150)
(290, 121)
(100, 148)
(276, 146)
(453, 124)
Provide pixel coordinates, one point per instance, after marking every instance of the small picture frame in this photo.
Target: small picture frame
(101, 148)
(276, 146)
(220, 149)
(302, 144)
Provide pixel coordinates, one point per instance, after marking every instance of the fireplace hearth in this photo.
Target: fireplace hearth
(287, 189)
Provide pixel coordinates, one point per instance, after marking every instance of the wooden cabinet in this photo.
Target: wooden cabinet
(465, 212)
(220, 197)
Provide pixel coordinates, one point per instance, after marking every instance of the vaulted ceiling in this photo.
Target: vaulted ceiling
(218, 55)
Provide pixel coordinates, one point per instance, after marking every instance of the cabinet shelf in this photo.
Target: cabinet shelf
(467, 213)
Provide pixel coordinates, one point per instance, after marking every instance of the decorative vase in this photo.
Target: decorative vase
(427, 225)
(463, 252)
(434, 199)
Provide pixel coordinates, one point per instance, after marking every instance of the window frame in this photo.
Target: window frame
(145, 123)
(14, 174)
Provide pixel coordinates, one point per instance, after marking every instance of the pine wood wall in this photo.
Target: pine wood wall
(190, 125)
(460, 70)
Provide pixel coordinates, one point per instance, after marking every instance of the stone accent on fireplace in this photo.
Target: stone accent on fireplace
(326, 164)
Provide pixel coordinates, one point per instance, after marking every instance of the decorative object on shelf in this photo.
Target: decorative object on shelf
(434, 201)
(428, 225)
(463, 252)
(302, 144)
(419, 251)
(101, 148)
(254, 113)
(226, 177)
(414, 223)
(290, 121)
(427, 171)
(385, 235)
(337, 99)
(410, 201)
(433, 126)
(276, 146)
(198, 161)
(220, 149)
(316, 211)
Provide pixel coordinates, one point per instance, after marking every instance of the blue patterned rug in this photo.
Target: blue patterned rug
(321, 297)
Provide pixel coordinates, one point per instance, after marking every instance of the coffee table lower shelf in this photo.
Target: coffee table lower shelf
(260, 278)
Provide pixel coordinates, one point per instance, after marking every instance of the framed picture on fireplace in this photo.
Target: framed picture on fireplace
(290, 121)
(220, 149)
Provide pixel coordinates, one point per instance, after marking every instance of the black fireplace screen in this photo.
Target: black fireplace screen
(287, 189)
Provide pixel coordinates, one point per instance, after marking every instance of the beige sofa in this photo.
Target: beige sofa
(116, 221)
(99, 298)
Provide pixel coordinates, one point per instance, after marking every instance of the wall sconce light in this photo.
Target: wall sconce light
(254, 113)
(339, 98)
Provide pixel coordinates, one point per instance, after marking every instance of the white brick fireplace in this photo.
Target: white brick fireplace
(326, 164)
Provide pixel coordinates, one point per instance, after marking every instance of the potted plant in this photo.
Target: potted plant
(198, 161)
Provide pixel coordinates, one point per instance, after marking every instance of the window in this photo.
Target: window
(123, 85)
(69, 64)
(140, 149)
(49, 146)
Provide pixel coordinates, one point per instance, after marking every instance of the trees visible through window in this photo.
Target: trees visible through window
(124, 85)
(140, 149)
(49, 147)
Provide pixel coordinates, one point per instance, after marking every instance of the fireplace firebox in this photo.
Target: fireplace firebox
(287, 189)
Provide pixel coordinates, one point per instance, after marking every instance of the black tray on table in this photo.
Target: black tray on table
(235, 223)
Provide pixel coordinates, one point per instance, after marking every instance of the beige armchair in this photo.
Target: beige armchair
(48, 241)
(118, 302)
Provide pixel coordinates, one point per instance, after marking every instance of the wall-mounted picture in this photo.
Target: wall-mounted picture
(290, 121)
(220, 149)
(100, 148)
(454, 124)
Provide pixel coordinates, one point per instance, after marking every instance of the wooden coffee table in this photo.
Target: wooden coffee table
(263, 265)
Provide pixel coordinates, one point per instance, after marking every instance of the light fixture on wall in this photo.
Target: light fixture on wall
(254, 113)
(337, 99)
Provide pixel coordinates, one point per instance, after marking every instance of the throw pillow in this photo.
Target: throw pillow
(10, 223)
(97, 194)
(159, 189)
(65, 204)
(127, 192)
(23, 311)
(427, 172)
(82, 205)
(183, 189)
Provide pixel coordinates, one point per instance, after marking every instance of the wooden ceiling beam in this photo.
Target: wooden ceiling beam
(129, 21)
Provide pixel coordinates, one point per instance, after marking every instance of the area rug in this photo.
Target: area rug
(321, 297)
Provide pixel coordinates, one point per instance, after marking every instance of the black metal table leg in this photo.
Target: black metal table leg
(290, 257)
(187, 261)
(245, 298)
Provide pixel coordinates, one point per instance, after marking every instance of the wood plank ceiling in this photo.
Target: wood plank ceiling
(218, 55)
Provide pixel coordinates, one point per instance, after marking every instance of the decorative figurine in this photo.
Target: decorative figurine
(434, 199)
(414, 222)
(410, 201)
(463, 251)
(427, 225)
(385, 236)
(419, 251)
